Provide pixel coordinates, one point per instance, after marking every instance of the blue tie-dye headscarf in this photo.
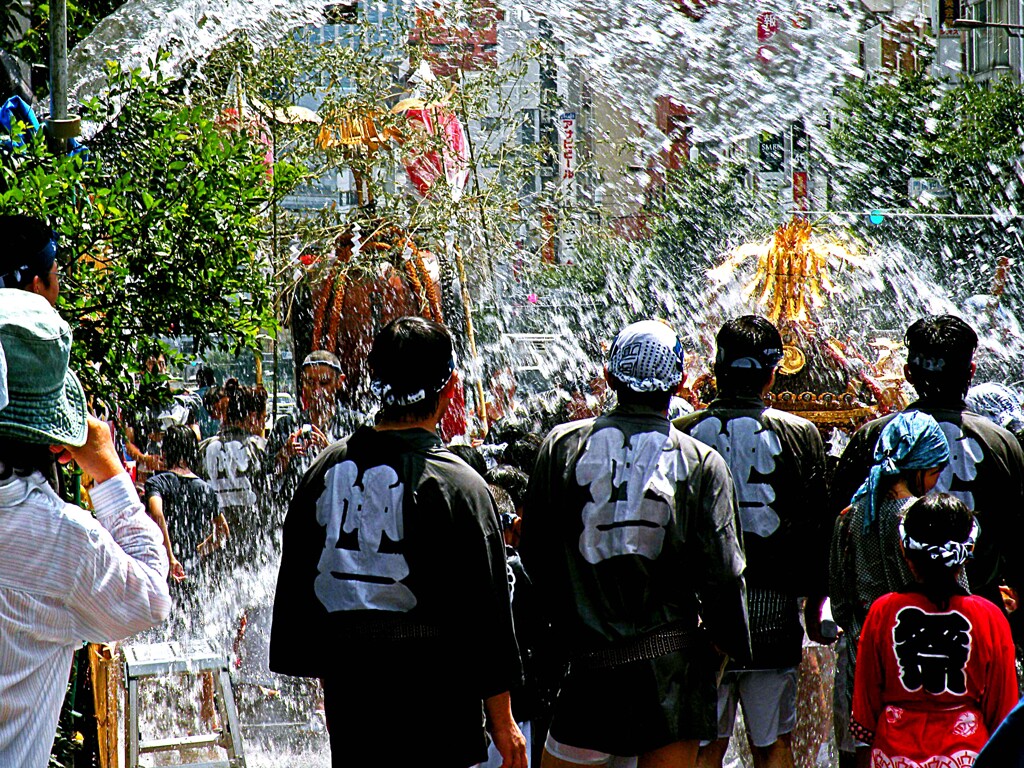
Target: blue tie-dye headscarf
(912, 440)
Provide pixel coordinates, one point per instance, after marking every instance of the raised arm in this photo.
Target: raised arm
(121, 585)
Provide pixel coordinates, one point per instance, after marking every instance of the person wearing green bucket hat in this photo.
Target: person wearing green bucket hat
(3, 379)
(65, 576)
(47, 404)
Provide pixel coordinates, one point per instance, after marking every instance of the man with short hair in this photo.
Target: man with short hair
(295, 441)
(28, 259)
(986, 468)
(778, 465)
(630, 533)
(65, 576)
(392, 588)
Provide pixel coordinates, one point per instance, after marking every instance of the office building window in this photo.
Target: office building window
(989, 49)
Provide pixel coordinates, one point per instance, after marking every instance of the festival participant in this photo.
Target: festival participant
(630, 534)
(999, 404)
(865, 562)
(778, 466)
(207, 420)
(182, 505)
(295, 442)
(935, 670)
(233, 465)
(471, 456)
(65, 576)
(521, 451)
(392, 587)
(28, 259)
(986, 466)
(1006, 747)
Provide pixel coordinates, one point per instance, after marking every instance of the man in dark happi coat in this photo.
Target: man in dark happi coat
(778, 465)
(630, 533)
(392, 587)
(986, 468)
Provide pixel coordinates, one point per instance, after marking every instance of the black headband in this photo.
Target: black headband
(390, 396)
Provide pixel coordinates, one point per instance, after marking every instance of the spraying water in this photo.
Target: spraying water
(738, 72)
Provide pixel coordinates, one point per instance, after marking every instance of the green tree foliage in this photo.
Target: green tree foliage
(968, 136)
(878, 140)
(160, 230)
(704, 211)
(34, 45)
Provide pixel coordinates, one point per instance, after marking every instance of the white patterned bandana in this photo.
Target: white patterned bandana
(951, 554)
(647, 357)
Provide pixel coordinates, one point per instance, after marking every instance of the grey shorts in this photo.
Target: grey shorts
(768, 698)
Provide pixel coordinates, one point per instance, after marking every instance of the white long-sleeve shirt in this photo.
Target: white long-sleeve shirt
(66, 578)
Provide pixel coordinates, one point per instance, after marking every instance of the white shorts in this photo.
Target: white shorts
(768, 698)
(581, 756)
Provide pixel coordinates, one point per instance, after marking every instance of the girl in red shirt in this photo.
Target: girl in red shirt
(935, 672)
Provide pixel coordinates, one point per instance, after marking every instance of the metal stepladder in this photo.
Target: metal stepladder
(176, 659)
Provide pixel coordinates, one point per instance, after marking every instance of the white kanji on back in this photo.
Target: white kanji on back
(363, 578)
(227, 467)
(965, 454)
(746, 445)
(632, 486)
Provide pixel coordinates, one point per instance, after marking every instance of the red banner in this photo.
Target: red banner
(800, 190)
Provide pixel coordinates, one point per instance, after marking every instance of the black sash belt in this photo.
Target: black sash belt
(651, 646)
(391, 630)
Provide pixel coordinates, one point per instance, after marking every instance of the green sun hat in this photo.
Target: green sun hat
(3, 379)
(46, 401)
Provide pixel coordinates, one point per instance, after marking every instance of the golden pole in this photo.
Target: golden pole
(468, 309)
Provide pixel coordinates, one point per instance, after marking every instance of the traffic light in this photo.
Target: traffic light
(876, 216)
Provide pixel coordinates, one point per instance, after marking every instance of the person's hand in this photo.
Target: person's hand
(177, 569)
(511, 745)
(812, 621)
(97, 457)
(295, 446)
(317, 438)
(508, 739)
(1010, 600)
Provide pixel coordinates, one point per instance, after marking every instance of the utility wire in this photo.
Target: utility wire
(908, 214)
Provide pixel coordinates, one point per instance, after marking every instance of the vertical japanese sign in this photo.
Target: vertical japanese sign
(949, 12)
(800, 191)
(801, 161)
(567, 166)
(767, 28)
(567, 153)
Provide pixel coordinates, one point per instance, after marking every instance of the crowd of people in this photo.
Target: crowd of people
(608, 594)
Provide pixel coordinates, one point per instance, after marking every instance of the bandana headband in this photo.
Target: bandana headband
(44, 259)
(765, 358)
(647, 356)
(912, 440)
(389, 397)
(951, 554)
(930, 364)
(328, 363)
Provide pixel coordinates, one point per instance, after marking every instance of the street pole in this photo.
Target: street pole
(62, 126)
(58, 59)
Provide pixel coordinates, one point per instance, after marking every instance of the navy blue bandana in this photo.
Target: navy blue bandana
(39, 264)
